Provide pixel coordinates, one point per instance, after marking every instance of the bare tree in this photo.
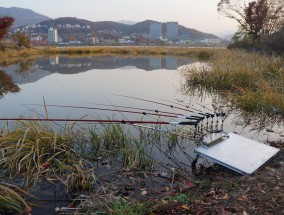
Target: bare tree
(255, 18)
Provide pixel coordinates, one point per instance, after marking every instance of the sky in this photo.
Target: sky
(198, 14)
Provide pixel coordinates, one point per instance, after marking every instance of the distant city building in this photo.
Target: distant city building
(172, 31)
(52, 36)
(95, 40)
(155, 30)
(211, 41)
(185, 36)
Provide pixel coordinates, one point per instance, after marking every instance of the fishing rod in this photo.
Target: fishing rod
(131, 122)
(143, 111)
(154, 102)
(171, 106)
(195, 117)
(176, 103)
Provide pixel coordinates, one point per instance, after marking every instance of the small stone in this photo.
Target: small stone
(144, 192)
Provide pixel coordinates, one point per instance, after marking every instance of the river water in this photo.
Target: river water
(104, 81)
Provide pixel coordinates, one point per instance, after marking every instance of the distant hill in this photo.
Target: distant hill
(227, 35)
(124, 29)
(22, 16)
(127, 22)
(95, 26)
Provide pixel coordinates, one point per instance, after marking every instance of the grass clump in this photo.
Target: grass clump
(252, 82)
(109, 204)
(33, 151)
(11, 202)
(111, 140)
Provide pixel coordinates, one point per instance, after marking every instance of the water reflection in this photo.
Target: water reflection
(171, 63)
(31, 71)
(7, 85)
(25, 66)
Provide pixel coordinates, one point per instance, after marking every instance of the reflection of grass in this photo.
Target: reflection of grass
(255, 82)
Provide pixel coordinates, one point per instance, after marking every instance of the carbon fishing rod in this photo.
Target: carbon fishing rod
(131, 122)
(168, 105)
(143, 111)
(208, 116)
(181, 101)
(199, 119)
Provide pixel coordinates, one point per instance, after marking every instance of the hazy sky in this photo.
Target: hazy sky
(199, 14)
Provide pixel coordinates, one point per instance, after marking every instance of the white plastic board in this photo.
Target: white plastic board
(238, 153)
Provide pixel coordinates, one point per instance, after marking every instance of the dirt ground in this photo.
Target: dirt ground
(218, 190)
(214, 190)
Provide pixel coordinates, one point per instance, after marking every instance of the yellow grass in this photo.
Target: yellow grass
(255, 82)
(12, 56)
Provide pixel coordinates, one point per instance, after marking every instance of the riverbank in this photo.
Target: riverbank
(215, 190)
(12, 55)
(111, 172)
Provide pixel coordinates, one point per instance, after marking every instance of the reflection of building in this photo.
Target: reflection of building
(155, 30)
(52, 36)
(172, 31)
(155, 63)
(54, 60)
(171, 63)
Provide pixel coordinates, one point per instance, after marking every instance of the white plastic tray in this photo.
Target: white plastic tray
(238, 153)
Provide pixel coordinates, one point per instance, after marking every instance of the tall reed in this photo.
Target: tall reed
(254, 82)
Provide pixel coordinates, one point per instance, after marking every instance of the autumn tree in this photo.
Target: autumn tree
(255, 18)
(5, 23)
(22, 40)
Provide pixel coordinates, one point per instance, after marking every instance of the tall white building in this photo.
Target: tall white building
(52, 36)
(155, 30)
(172, 31)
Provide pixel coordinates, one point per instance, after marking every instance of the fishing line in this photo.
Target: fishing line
(154, 144)
(212, 115)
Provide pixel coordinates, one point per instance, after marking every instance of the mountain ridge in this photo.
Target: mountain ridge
(22, 16)
(125, 29)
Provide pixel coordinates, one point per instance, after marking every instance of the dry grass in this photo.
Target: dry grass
(252, 81)
(11, 201)
(13, 56)
(101, 50)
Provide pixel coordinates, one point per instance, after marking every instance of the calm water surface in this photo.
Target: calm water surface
(93, 81)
